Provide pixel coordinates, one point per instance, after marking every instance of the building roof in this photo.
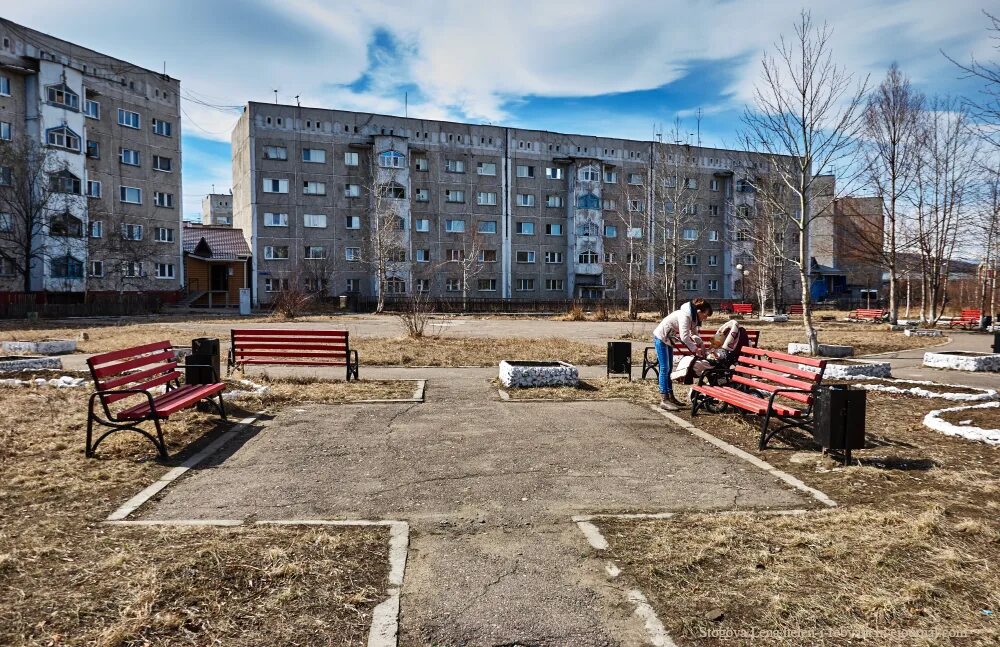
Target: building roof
(216, 243)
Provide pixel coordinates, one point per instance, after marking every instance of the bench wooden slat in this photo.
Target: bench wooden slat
(241, 346)
(293, 362)
(774, 354)
(774, 377)
(115, 355)
(128, 378)
(109, 370)
(804, 398)
(173, 401)
(291, 352)
(791, 370)
(297, 334)
(143, 386)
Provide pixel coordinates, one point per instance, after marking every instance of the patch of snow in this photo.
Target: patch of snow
(991, 436)
(985, 394)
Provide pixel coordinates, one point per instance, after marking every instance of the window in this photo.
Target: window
(61, 95)
(391, 159)
(487, 285)
(713, 235)
(553, 173)
(310, 187)
(486, 198)
(352, 253)
(164, 235)
(5, 133)
(61, 137)
(609, 257)
(690, 183)
(609, 204)
(525, 285)
(272, 185)
(486, 168)
(636, 205)
(527, 228)
(525, 171)
(587, 257)
(744, 186)
(423, 285)
(525, 257)
(453, 285)
(554, 284)
(163, 128)
(350, 159)
(161, 199)
(392, 190)
(610, 176)
(128, 156)
(454, 255)
(354, 222)
(4, 86)
(553, 258)
(453, 195)
(554, 201)
(635, 178)
(525, 199)
(131, 232)
(7, 176)
(690, 234)
(588, 201)
(314, 220)
(690, 259)
(96, 229)
(487, 227)
(62, 182)
(590, 174)
(610, 231)
(454, 226)
(93, 189)
(422, 195)
(66, 225)
(553, 229)
(163, 163)
(743, 235)
(713, 185)
(588, 229)
(275, 219)
(314, 155)
(128, 118)
(423, 224)
(275, 153)
(314, 252)
(488, 256)
(275, 285)
(66, 267)
(97, 268)
(420, 163)
(713, 260)
(352, 191)
(276, 252)
(691, 210)
(454, 166)
(690, 285)
(713, 285)
(164, 270)
(634, 232)
(93, 149)
(423, 256)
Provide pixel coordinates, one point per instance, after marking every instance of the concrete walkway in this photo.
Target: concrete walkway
(908, 364)
(488, 488)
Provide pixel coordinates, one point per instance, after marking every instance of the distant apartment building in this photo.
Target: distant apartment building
(547, 215)
(217, 209)
(110, 132)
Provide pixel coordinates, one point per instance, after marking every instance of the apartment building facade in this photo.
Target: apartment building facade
(547, 215)
(217, 210)
(109, 132)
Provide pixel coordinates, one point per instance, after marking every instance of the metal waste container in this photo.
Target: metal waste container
(202, 366)
(839, 418)
(620, 358)
(996, 342)
(244, 301)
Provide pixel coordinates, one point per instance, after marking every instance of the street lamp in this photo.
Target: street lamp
(744, 273)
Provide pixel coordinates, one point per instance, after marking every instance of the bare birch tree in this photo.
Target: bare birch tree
(675, 211)
(384, 252)
(626, 210)
(990, 225)
(805, 119)
(987, 106)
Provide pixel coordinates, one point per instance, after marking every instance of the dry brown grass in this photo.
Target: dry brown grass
(289, 390)
(67, 581)
(983, 418)
(472, 351)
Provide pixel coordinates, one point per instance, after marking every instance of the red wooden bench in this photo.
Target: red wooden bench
(651, 363)
(292, 348)
(755, 384)
(795, 309)
(134, 373)
(743, 308)
(968, 319)
(868, 314)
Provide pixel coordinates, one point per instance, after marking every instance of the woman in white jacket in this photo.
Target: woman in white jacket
(680, 326)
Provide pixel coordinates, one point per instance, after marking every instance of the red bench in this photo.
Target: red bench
(755, 384)
(796, 309)
(651, 363)
(292, 348)
(868, 314)
(743, 308)
(968, 319)
(134, 373)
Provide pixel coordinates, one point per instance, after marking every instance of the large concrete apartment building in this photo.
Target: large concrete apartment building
(110, 133)
(550, 215)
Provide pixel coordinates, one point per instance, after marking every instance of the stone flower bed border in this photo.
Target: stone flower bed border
(935, 422)
(986, 394)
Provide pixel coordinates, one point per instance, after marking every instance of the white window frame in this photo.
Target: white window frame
(454, 195)
(163, 128)
(690, 260)
(713, 260)
(525, 285)
(309, 153)
(555, 285)
(555, 201)
(168, 274)
(352, 222)
(422, 225)
(610, 228)
(590, 174)
(523, 170)
(689, 285)
(131, 231)
(455, 166)
(270, 255)
(525, 228)
(713, 235)
(4, 86)
(91, 185)
(271, 182)
(123, 193)
(6, 132)
(491, 285)
(164, 235)
(486, 198)
(712, 285)
(554, 229)
(275, 219)
(125, 119)
(313, 187)
(351, 158)
(276, 153)
(314, 220)
(690, 234)
(158, 164)
(352, 254)
(553, 258)
(422, 256)
(454, 226)
(96, 269)
(163, 199)
(525, 199)
(129, 156)
(352, 191)
(422, 195)
(524, 256)
(554, 173)
(481, 230)
(486, 168)
(309, 255)
(97, 229)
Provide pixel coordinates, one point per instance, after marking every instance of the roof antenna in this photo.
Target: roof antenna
(406, 104)
(275, 97)
(297, 101)
(699, 127)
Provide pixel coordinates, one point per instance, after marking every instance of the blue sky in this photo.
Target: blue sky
(613, 69)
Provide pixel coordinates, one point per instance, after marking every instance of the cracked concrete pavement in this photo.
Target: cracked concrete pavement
(488, 488)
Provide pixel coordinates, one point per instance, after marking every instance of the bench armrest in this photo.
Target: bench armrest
(774, 394)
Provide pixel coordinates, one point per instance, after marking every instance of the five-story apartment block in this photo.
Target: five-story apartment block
(109, 132)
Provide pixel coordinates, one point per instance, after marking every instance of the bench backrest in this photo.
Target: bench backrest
(868, 313)
(312, 344)
(707, 335)
(743, 308)
(795, 309)
(139, 367)
(971, 314)
(769, 370)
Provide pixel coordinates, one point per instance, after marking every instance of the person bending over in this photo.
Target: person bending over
(679, 327)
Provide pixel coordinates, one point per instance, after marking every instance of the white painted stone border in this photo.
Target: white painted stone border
(990, 436)
(963, 361)
(986, 394)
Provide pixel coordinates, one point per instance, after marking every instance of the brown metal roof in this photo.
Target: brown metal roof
(224, 243)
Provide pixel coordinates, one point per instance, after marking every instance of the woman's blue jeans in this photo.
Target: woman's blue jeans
(665, 356)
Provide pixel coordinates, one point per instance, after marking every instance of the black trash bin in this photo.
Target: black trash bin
(996, 342)
(839, 418)
(620, 358)
(202, 366)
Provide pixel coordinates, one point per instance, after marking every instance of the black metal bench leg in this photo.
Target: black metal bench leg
(763, 431)
(222, 408)
(90, 434)
(162, 444)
